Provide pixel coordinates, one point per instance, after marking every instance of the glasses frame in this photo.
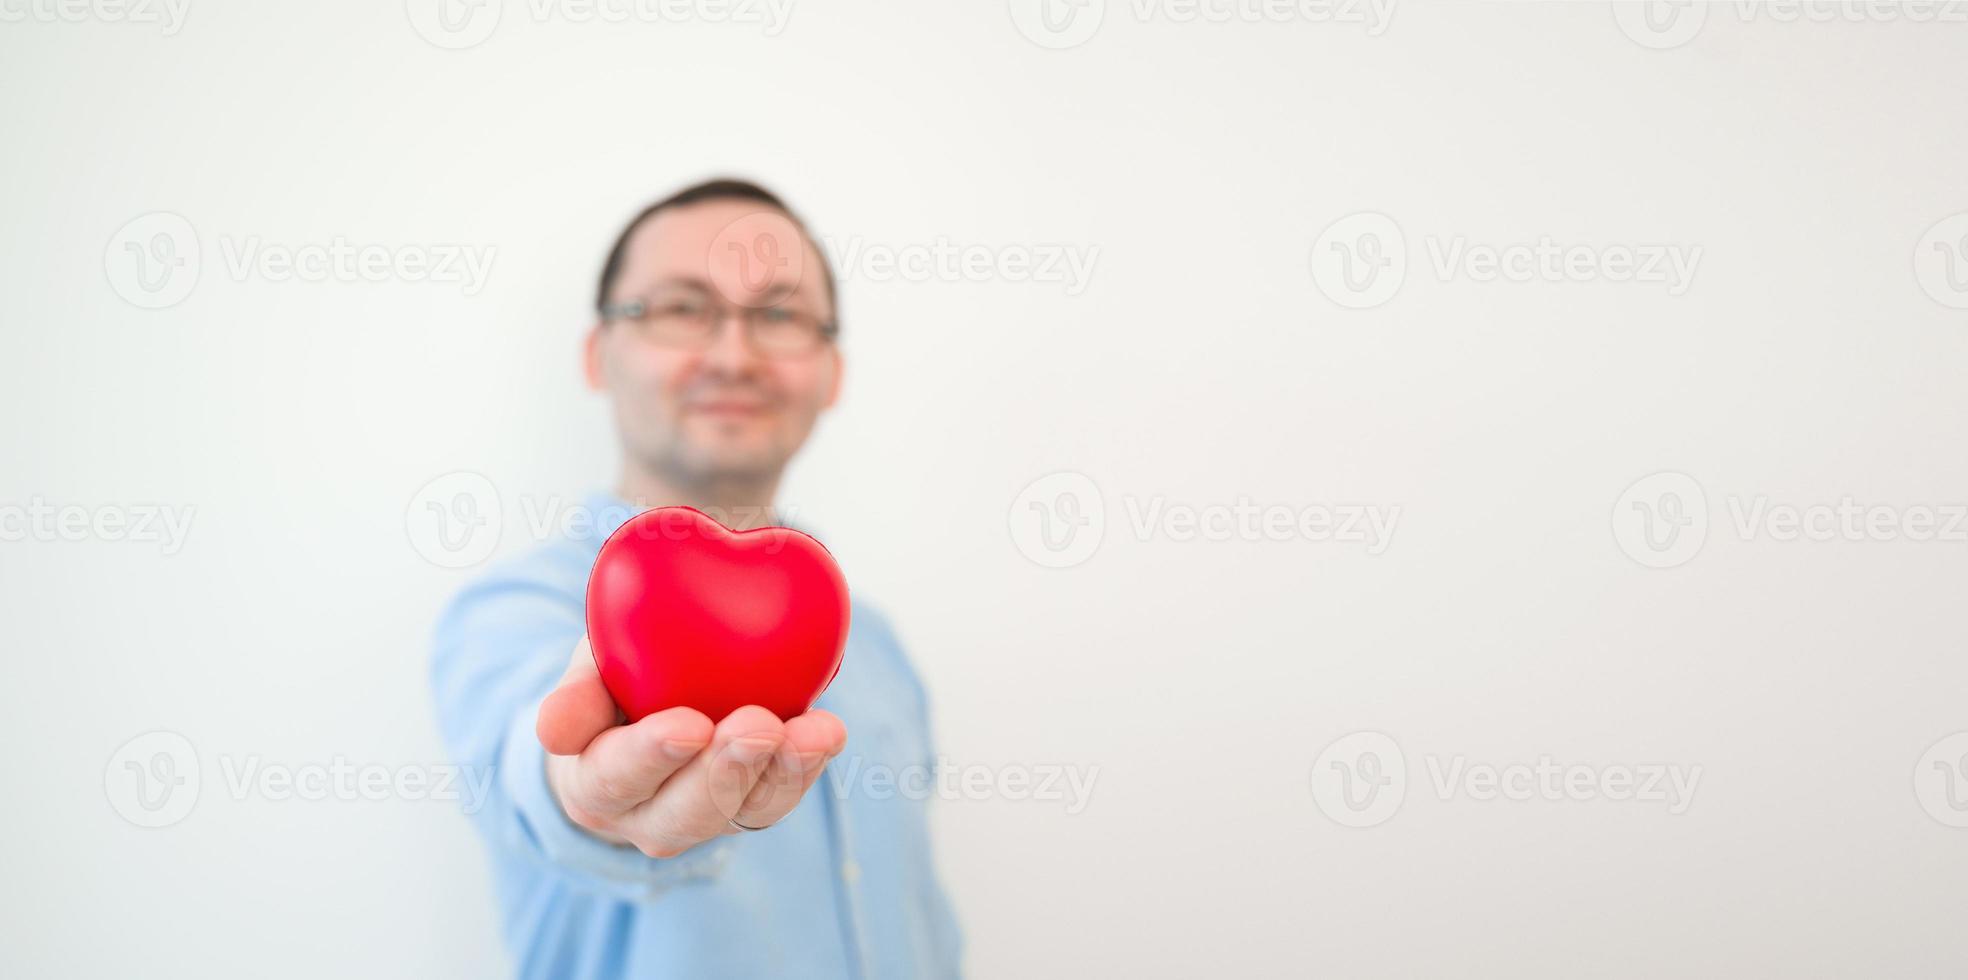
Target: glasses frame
(633, 310)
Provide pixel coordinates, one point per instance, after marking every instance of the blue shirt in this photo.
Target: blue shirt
(841, 887)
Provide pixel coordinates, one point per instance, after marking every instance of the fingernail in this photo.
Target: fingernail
(748, 751)
(680, 751)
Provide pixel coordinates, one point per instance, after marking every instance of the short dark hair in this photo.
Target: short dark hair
(715, 189)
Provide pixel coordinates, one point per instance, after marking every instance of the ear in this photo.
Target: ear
(591, 357)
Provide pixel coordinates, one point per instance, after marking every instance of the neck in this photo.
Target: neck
(740, 503)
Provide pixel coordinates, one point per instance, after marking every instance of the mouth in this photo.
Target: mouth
(728, 408)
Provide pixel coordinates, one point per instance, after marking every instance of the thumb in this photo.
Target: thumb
(578, 709)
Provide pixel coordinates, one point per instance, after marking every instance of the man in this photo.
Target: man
(680, 845)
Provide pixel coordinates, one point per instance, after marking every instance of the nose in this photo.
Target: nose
(731, 351)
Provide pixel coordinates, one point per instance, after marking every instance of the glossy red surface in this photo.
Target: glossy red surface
(684, 611)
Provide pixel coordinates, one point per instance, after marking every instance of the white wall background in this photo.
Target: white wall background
(1812, 357)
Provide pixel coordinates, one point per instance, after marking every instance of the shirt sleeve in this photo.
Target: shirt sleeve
(938, 915)
(499, 648)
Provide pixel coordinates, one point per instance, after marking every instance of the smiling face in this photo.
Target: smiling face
(718, 411)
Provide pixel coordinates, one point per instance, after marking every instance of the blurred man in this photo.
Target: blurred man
(676, 847)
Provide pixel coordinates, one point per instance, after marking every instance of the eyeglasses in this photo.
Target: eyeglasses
(689, 319)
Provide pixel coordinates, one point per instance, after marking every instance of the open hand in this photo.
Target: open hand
(674, 780)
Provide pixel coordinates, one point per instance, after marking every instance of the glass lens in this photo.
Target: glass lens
(780, 330)
(678, 318)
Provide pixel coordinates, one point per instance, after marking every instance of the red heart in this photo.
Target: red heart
(685, 611)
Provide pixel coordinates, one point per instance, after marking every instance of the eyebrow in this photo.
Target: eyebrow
(690, 281)
(776, 293)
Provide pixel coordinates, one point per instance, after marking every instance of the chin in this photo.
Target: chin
(729, 461)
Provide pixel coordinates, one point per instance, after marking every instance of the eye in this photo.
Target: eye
(679, 307)
(778, 314)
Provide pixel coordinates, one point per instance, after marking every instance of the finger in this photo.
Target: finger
(812, 739)
(696, 802)
(625, 766)
(578, 709)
